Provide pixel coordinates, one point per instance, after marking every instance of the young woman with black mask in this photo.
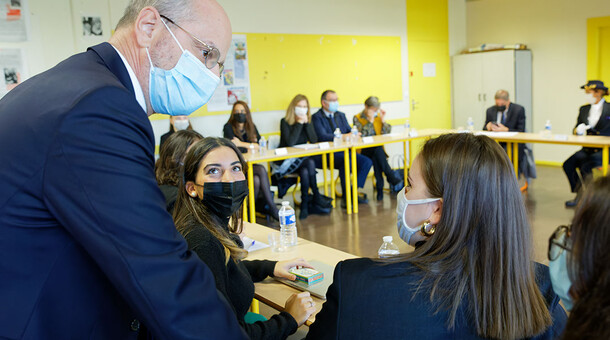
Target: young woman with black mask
(240, 129)
(208, 214)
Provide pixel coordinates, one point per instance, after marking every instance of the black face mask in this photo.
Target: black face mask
(501, 108)
(240, 117)
(224, 198)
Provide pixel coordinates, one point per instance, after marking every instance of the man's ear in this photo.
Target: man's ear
(147, 25)
(435, 217)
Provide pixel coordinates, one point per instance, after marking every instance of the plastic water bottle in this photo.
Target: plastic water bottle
(337, 139)
(288, 225)
(547, 127)
(262, 143)
(407, 127)
(388, 248)
(470, 124)
(354, 135)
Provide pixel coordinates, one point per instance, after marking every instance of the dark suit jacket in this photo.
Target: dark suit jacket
(371, 301)
(515, 117)
(86, 245)
(603, 125)
(323, 128)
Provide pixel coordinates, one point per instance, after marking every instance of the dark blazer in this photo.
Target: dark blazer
(291, 135)
(368, 300)
(603, 125)
(323, 127)
(86, 245)
(515, 117)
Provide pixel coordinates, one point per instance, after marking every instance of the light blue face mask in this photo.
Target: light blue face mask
(561, 280)
(333, 106)
(183, 89)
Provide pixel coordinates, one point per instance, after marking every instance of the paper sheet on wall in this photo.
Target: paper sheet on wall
(11, 69)
(91, 23)
(235, 82)
(12, 21)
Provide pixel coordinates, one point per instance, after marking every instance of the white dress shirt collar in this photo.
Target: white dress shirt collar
(134, 82)
(596, 112)
(328, 114)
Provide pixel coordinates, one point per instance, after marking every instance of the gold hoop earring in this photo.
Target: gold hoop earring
(193, 194)
(428, 229)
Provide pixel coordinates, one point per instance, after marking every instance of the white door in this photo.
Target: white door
(498, 74)
(467, 89)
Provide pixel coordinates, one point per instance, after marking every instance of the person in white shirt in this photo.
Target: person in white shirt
(593, 119)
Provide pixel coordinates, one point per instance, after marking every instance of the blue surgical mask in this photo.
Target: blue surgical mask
(560, 279)
(333, 106)
(183, 89)
(404, 230)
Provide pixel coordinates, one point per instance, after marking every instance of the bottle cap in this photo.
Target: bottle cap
(388, 239)
(285, 203)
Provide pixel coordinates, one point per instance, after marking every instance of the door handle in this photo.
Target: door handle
(484, 97)
(413, 103)
(479, 97)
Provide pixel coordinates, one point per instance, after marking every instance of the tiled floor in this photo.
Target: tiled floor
(361, 233)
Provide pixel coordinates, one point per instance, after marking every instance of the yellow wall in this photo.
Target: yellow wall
(598, 48)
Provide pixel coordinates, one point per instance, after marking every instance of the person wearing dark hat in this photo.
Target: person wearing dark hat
(593, 119)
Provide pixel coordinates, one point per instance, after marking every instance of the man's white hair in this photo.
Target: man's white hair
(177, 10)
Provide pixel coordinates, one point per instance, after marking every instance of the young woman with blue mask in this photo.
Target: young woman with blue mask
(580, 264)
(471, 275)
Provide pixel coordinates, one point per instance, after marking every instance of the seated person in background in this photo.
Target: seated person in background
(593, 119)
(580, 267)
(471, 275)
(325, 121)
(168, 167)
(240, 129)
(371, 122)
(505, 116)
(208, 215)
(295, 129)
(176, 123)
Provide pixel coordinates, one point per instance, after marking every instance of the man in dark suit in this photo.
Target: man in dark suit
(87, 249)
(326, 121)
(506, 116)
(593, 119)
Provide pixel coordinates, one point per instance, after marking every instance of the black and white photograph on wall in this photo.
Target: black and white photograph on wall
(10, 76)
(92, 26)
(15, 3)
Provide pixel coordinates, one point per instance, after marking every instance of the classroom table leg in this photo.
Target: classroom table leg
(516, 158)
(509, 150)
(347, 193)
(605, 160)
(354, 178)
(405, 168)
(269, 171)
(324, 173)
(254, 307)
(251, 193)
(244, 215)
(410, 153)
(333, 188)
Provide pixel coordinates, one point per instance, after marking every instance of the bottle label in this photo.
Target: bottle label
(288, 219)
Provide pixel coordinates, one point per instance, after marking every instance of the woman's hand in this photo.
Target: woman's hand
(300, 306)
(381, 115)
(282, 267)
(302, 119)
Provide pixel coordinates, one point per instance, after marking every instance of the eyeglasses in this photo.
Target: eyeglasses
(559, 241)
(211, 54)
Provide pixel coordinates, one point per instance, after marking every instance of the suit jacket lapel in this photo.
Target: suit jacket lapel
(114, 63)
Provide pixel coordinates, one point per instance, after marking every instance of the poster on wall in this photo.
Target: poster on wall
(235, 82)
(11, 69)
(12, 21)
(91, 21)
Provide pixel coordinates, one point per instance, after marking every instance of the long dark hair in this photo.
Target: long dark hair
(190, 213)
(481, 252)
(589, 264)
(248, 125)
(171, 155)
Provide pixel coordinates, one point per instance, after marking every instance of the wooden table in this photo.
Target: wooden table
(274, 293)
(269, 156)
